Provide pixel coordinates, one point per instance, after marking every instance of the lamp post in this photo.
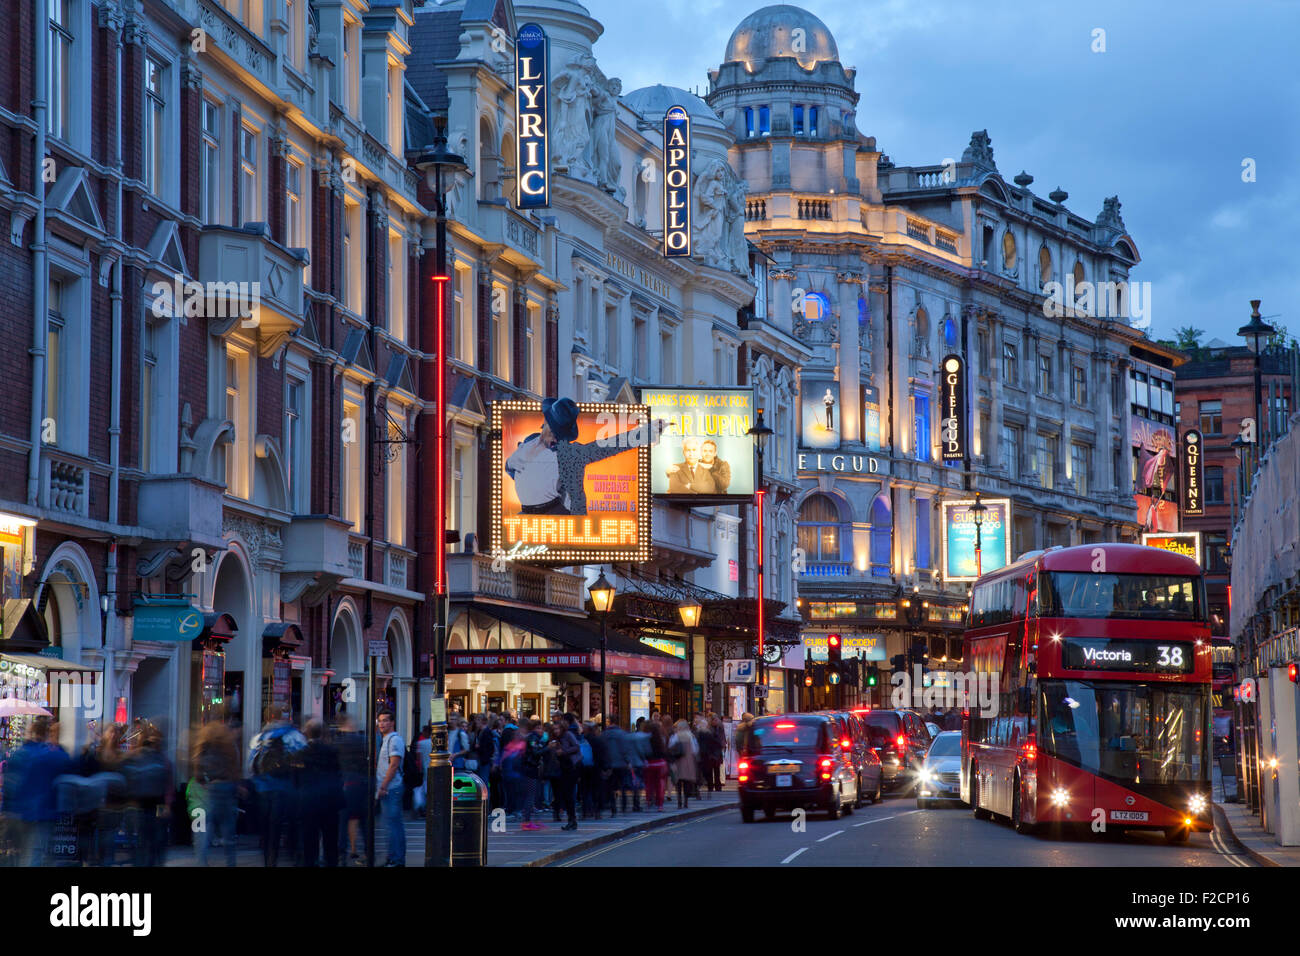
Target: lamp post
(761, 433)
(690, 613)
(1255, 330)
(433, 381)
(602, 599)
(977, 511)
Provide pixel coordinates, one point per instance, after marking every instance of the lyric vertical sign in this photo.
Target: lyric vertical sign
(1193, 503)
(952, 405)
(677, 183)
(532, 143)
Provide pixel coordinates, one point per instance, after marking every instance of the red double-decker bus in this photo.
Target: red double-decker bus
(1097, 665)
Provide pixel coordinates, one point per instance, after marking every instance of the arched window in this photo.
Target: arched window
(489, 173)
(882, 537)
(921, 333)
(949, 332)
(507, 164)
(1008, 251)
(1078, 274)
(1044, 266)
(816, 307)
(819, 529)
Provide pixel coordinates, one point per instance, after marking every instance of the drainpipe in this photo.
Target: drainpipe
(40, 266)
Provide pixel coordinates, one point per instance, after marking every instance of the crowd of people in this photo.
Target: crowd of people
(574, 769)
(304, 792)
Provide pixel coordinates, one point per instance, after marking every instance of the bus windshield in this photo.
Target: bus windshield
(1129, 733)
(1153, 596)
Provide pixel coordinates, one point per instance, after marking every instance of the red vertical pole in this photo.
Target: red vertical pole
(440, 456)
(759, 549)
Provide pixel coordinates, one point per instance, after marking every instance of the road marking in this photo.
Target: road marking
(892, 816)
(605, 849)
(802, 849)
(829, 835)
(1221, 846)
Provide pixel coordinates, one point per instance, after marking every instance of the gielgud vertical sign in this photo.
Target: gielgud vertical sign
(952, 406)
(1193, 503)
(677, 183)
(532, 146)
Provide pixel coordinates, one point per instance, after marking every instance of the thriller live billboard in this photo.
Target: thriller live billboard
(580, 494)
(705, 452)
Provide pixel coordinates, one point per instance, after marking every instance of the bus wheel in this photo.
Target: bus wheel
(1178, 834)
(979, 812)
(1018, 813)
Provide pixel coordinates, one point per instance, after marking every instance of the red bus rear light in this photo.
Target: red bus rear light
(1030, 749)
(846, 743)
(901, 742)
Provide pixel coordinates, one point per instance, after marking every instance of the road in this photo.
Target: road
(895, 833)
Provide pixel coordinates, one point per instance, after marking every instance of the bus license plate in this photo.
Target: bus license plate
(783, 780)
(1132, 816)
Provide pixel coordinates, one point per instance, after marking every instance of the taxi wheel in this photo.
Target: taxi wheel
(769, 813)
(858, 799)
(879, 794)
(834, 812)
(1018, 812)
(746, 813)
(976, 810)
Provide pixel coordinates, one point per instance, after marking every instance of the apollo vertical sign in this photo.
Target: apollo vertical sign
(677, 182)
(952, 406)
(532, 145)
(1193, 503)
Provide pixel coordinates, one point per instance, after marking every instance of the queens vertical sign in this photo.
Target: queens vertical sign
(952, 405)
(532, 146)
(1193, 503)
(677, 182)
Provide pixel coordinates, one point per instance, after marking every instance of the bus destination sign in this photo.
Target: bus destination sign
(1141, 656)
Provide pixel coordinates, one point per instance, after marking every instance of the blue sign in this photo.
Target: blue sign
(677, 183)
(166, 621)
(960, 534)
(532, 144)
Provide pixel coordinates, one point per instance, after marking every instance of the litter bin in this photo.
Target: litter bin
(469, 813)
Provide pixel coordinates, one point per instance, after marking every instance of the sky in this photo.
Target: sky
(1183, 95)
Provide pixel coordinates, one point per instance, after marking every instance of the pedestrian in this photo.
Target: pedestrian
(355, 769)
(322, 798)
(276, 766)
(531, 764)
(551, 771)
(29, 777)
(636, 750)
(150, 783)
(512, 774)
(684, 753)
(743, 731)
(711, 740)
(614, 739)
(457, 742)
(568, 753)
(656, 767)
(486, 747)
(389, 785)
(216, 774)
(105, 756)
(423, 749)
(588, 772)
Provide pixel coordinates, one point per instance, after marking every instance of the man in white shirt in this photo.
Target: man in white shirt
(388, 776)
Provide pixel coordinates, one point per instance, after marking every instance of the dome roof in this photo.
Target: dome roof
(771, 32)
(653, 102)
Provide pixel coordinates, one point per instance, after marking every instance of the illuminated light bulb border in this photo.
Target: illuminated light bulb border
(639, 553)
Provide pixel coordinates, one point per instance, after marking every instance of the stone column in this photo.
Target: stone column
(850, 363)
(1101, 378)
(779, 303)
(994, 455)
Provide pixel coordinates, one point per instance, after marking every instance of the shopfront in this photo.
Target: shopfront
(38, 685)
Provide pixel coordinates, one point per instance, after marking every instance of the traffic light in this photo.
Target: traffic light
(834, 673)
(873, 676)
(1291, 672)
(899, 662)
(833, 648)
(807, 679)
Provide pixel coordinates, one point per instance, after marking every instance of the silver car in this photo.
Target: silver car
(940, 776)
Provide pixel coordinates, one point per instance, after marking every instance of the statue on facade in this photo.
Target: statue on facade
(737, 247)
(605, 160)
(571, 125)
(456, 185)
(711, 214)
(980, 150)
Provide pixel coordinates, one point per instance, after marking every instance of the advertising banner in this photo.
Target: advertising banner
(819, 413)
(1186, 543)
(677, 182)
(570, 482)
(704, 452)
(532, 138)
(1193, 502)
(869, 647)
(870, 418)
(959, 538)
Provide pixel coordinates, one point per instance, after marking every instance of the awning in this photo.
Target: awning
(218, 627)
(21, 627)
(47, 663)
(281, 635)
(625, 654)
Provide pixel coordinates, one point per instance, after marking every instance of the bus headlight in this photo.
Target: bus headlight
(1060, 797)
(1197, 804)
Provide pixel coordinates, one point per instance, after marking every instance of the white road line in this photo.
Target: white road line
(802, 849)
(892, 816)
(829, 835)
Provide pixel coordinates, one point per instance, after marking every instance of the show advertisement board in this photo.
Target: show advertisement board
(1186, 543)
(570, 482)
(959, 538)
(705, 452)
(819, 412)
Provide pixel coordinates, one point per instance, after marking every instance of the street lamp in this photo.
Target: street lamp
(977, 511)
(690, 613)
(433, 384)
(602, 599)
(1255, 330)
(761, 434)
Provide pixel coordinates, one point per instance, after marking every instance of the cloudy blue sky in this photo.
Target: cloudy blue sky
(1184, 93)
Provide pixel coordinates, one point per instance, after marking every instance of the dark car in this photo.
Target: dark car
(856, 742)
(901, 739)
(794, 761)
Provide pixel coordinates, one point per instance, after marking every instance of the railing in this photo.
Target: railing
(396, 570)
(755, 209)
(357, 558)
(66, 487)
(918, 230)
(814, 209)
(828, 569)
(816, 331)
(473, 574)
(946, 242)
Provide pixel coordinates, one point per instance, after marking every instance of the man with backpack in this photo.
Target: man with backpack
(388, 773)
(531, 764)
(149, 783)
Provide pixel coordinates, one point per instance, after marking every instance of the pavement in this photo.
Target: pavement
(1244, 827)
(508, 844)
